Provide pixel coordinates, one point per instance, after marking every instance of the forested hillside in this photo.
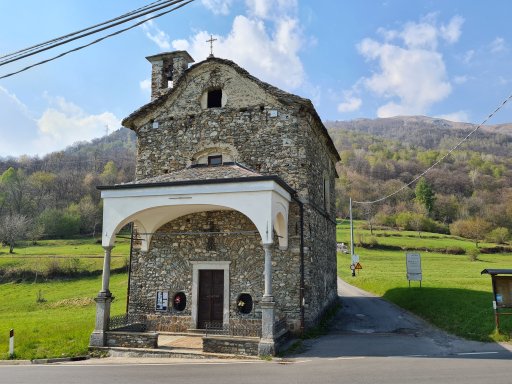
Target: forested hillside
(469, 193)
(56, 195)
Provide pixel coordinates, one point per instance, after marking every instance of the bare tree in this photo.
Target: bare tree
(13, 227)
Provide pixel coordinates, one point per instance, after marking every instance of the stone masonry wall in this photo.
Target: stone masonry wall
(167, 265)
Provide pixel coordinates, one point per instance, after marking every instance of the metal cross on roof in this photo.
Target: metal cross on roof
(211, 44)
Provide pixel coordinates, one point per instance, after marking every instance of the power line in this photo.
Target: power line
(100, 39)
(110, 24)
(17, 54)
(441, 159)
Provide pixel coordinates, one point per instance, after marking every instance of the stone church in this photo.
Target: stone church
(233, 208)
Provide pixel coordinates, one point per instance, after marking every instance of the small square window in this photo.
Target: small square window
(215, 160)
(214, 98)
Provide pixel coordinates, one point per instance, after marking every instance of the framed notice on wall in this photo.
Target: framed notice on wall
(162, 300)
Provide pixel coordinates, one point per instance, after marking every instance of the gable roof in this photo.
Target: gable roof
(283, 97)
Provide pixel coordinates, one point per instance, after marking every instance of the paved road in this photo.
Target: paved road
(370, 326)
(372, 341)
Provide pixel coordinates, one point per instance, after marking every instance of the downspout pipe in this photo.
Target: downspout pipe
(301, 296)
(129, 268)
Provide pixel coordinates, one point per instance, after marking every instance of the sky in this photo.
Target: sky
(354, 59)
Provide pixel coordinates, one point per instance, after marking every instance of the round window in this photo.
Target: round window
(244, 303)
(180, 301)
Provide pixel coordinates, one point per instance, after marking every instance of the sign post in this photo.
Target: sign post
(11, 344)
(413, 263)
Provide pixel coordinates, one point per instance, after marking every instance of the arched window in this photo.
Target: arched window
(179, 302)
(244, 303)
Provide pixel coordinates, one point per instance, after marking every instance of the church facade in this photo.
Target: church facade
(233, 205)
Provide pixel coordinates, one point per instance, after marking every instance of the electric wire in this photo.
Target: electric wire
(64, 40)
(97, 40)
(32, 48)
(440, 159)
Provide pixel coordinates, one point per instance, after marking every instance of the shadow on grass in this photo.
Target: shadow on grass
(462, 312)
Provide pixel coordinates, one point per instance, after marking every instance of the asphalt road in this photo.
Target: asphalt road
(371, 341)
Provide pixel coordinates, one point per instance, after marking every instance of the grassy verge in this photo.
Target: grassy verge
(59, 326)
(454, 296)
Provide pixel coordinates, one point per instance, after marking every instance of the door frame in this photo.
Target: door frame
(198, 265)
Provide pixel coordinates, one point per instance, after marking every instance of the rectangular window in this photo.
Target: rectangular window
(215, 160)
(214, 98)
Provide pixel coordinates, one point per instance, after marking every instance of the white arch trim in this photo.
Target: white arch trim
(264, 202)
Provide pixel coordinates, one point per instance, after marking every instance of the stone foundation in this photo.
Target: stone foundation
(231, 345)
(132, 339)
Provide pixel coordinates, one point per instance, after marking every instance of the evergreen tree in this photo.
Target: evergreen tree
(424, 195)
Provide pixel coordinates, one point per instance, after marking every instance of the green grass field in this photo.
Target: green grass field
(60, 326)
(78, 255)
(454, 296)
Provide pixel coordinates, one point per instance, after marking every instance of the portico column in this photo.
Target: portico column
(106, 270)
(266, 345)
(267, 295)
(103, 304)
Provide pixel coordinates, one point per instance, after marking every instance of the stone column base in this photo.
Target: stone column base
(266, 347)
(98, 339)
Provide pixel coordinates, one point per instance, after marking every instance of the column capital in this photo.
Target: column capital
(108, 248)
(267, 245)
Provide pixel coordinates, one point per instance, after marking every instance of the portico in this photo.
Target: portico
(151, 203)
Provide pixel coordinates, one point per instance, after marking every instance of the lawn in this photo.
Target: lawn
(59, 326)
(454, 296)
(69, 255)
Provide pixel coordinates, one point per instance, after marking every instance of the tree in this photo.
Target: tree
(424, 195)
(13, 227)
(474, 228)
(109, 174)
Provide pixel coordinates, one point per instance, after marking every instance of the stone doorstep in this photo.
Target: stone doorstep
(165, 353)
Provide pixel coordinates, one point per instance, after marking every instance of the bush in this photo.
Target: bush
(473, 254)
(499, 235)
(59, 224)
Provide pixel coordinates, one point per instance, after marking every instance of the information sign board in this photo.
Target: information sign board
(413, 262)
(503, 291)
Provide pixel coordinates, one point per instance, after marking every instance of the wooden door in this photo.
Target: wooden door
(211, 297)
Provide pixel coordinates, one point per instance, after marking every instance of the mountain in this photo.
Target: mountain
(430, 133)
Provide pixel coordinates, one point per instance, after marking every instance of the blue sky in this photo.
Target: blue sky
(353, 59)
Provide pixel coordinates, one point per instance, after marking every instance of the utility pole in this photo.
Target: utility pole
(352, 266)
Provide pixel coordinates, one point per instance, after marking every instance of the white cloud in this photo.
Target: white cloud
(156, 35)
(460, 79)
(266, 9)
(451, 32)
(145, 85)
(460, 116)
(411, 74)
(65, 123)
(221, 7)
(350, 103)
(268, 49)
(468, 56)
(61, 124)
(498, 45)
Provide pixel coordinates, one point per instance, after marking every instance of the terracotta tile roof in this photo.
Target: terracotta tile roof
(231, 171)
